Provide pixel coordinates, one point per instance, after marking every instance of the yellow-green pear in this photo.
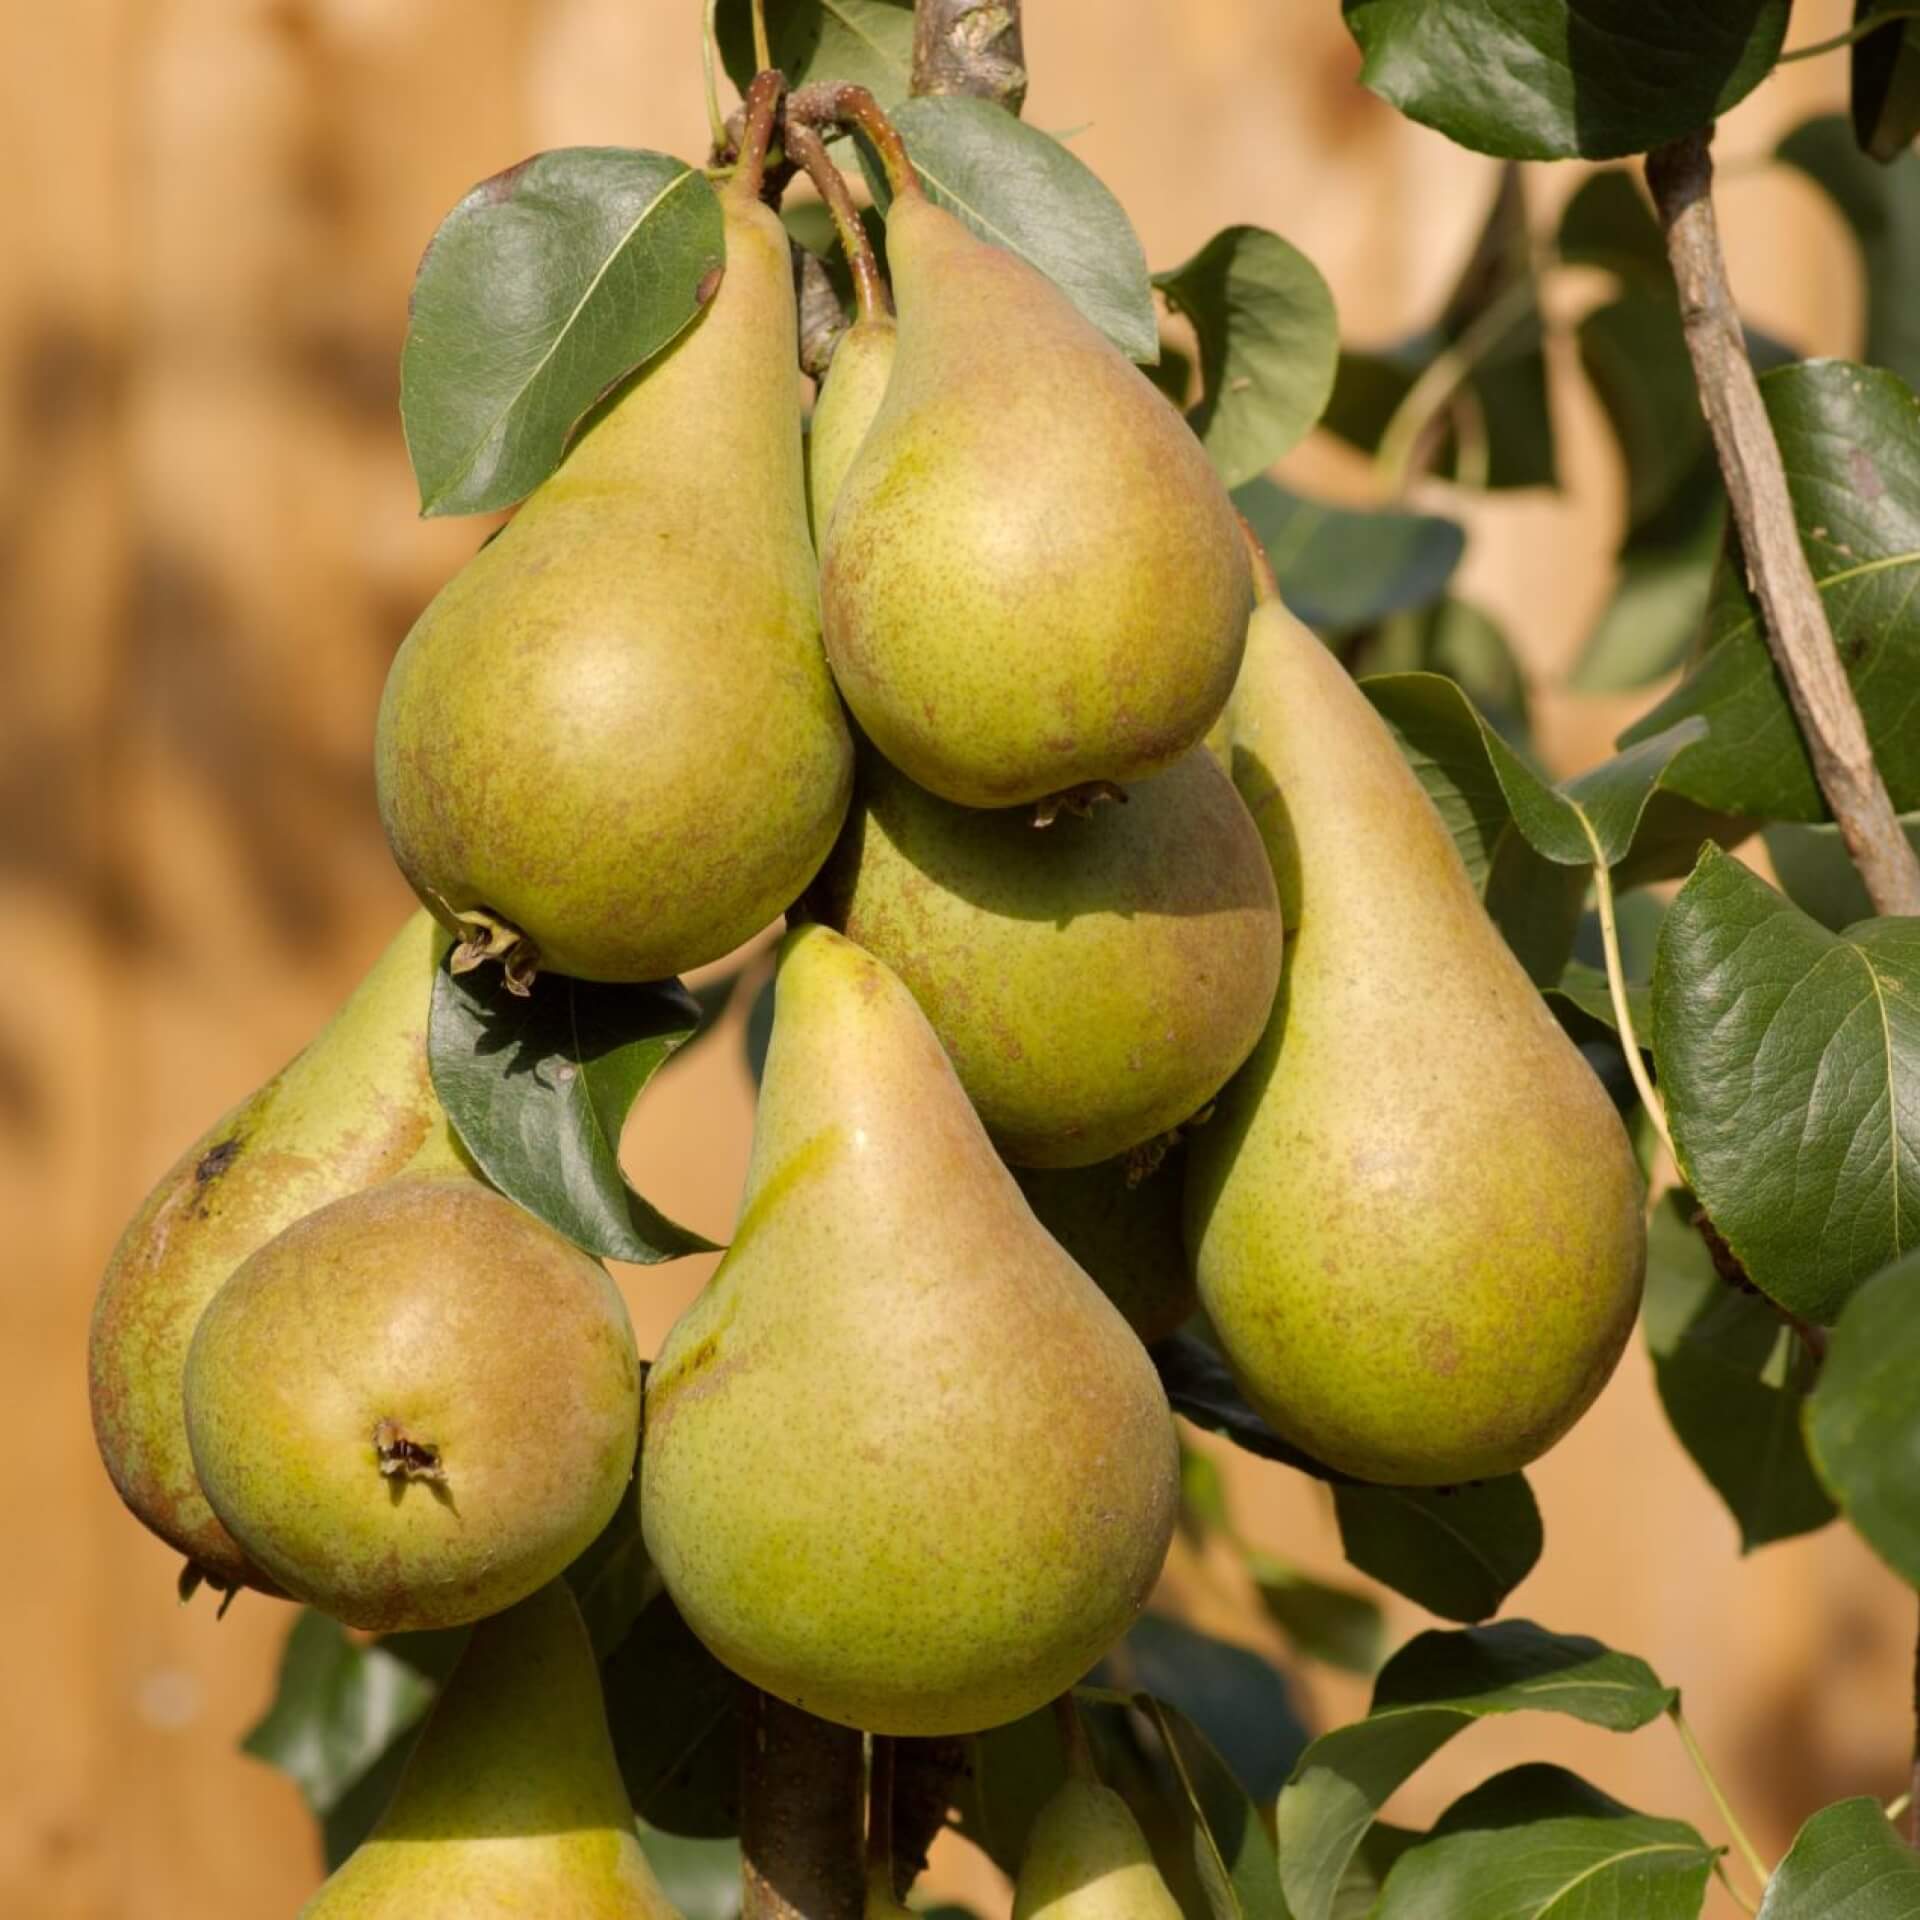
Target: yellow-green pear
(1032, 577)
(416, 1405)
(511, 1805)
(905, 1467)
(611, 746)
(850, 396)
(1415, 1217)
(354, 1109)
(1121, 1221)
(1095, 981)
(1087, 1859)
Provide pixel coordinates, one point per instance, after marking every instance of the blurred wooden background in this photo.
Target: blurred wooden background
(208, 552)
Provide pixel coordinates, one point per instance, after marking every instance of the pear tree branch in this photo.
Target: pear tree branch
(1680, 176)
(971, 47)
(802, 1793)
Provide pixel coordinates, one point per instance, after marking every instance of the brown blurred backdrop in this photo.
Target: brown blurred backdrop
(208, 552)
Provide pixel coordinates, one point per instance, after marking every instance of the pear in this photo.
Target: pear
(850, 396)
(1121, 1221)
(1094, 982)
(1032, 578)
(356, 1108)
(611, 746)
(512, 1802)
(905, 1467)
(414, 1406)
(1087, 1859)
(1415, 1218)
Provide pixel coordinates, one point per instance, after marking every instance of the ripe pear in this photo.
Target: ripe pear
(850, 396)
(415, 1406)
(611, 746)
(1121, 1221)
(1415, 1217)
(1032, 577)
(512, 1802)
(1094, 982)
(354, 1109)
(905, 1467)
(1087, 1859)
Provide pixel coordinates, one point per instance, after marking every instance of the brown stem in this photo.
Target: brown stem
(1073, 1739)
(762, 104)
(971, 47)
(880, 1810)
(869, 290)
(800, 1803)
(839, 104)
(1680, 176)
(925, 1774)
(1266, 583)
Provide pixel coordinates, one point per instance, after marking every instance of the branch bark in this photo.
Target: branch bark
(971, 47)
(801, 1799)
(1680, 176)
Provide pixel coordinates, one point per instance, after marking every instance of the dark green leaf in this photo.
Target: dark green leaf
(1537, 1843)
(1610, 223)
(1634, 352)
(1203, 1495)
(759, 1030)
(542, 289)
(1458, 640)
(1340, 569)
(701, 1878)
(1850, 436)
(1172, 373)
(1882, 206)
(1334, 1624)
(1201, 1389)
(1790, 1061)
(1817, 874)
(1734, 1381)
(1433, 1687)
(1021, 189)
(1565, 79)
(354, 1815)
(867, 42)
(1886, 82)
(1269, 341)
(1846, 1864)
(1366, 1875)
(614, 1580)
(1864, 1421)
(539, 1087)
(1458, 1552)
(1585, 988)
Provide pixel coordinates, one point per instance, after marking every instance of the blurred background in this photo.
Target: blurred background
(209, 550)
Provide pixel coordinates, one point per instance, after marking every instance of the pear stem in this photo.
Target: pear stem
(832, 103)
(1617, 992)
(1266, 583)
(1073, 1740)
(869, 289)
(762, 51)
(762, 103)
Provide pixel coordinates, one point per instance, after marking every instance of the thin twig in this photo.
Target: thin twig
(1749, 1852)
(971, 47)
(1860, 30)
(1794, 617)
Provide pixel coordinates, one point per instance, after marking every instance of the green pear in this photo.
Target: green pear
(611, 746)
(1415, 1217)
(512, 1802)
(1032, 578)
(414, 1406)
(905, 1467)
(1121, 1221)
(1087, 1859)
(850, 396)
(356, 1108)
(1094, 982)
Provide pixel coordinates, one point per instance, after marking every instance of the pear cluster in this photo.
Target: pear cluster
(1129, 971)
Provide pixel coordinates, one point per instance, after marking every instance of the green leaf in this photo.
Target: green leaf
(1790, 1061)
(1433, 1687)
(539, 1086)
(1203, 1495)
(1366, 1875)
(1850, 436)
(1458, 640)
(1269, 341)
(1864, 1421)
(542, 289)
(341, 1703)
(1340, 569)
(1610, 223)
(1583, 989)
(701, 1878)
(1237, 1700)
(1457, 1551)
(1847, 1864)
(1538, 1843)
(614, 1580)
(1634, 352)
(1882, 206)
(1886, 83)
(1734, 1381)
(1333, 1624)
(1565, 79)
(1817, 873)
(866, 42)
(1021, 189)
